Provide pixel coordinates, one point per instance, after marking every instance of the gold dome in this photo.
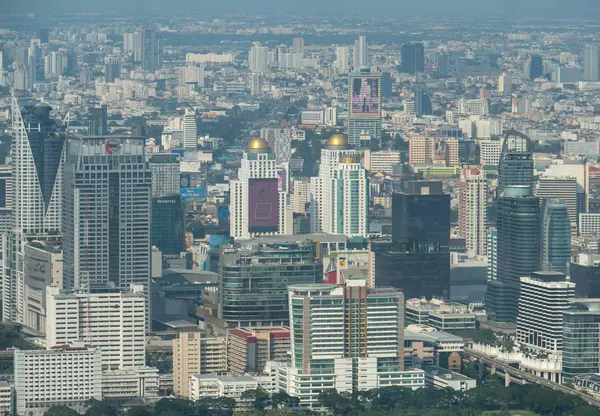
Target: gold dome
(258, 144)
(338, 140)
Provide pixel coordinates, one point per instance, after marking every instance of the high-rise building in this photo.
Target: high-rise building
(43, 34)
(591, 63)
(515, 167)
(196, 353)
(280, 140)
(168, 230)
(259, 58)
(113, 321)
(300, 196)
(562, 188)
(443, 64)
(112, 68)
(191, 74)
(190, 130)
(106, 214)
(336, 343)
(249, 349)
(132, 45)
(418, 258)
(492, 254)
(37, 162)
(518, 249)
(342, 58)
(555, 245)
(433, 150)
(474, 107)
(581, 338)
(413, 58)
(97, 121)
(472, 210)
(361, 53)
(150, 48)
(364, 103)
(70, 376)
(165, 174)
(255, 83)
(422, 102)
(257, 205)
(536, 67)
(543, 299)
(504, 84)
(6, 195)
(298, 46)
(253, 282)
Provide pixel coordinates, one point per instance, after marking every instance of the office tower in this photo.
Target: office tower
(97, 121)
(361, 53)
(249, 349)
(504, 84)
(37, 161)
(20, 78)
(475, 107)
(443, 64)
(349, 199)
(413, 58)
(536, 67)
(555, 246)
(492, 254)
(66, 376)
(196, 353)
(112, 320)
(341, 58)
(168, 230)
(257, 206)
(259, 58)
(562, 188)
(43, 34)
(337, 343)
(591, 63)
(112, 68)
(298, 46)
(472, 210)
(518, 249)
(422, 102)
(543, 299)
(132, 45)
(321, 192)
(364, 103)
(515, 167)
(386, 84)
(253, 281)
(255, 83)
(165, 174)
(280, 140)
(382, 161)
(581, 338)
(42, 263)
(150, 48)
(418, 258)
(106, 214)
(190, 130)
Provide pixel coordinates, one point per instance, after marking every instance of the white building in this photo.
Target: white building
(563, 188)
(472, 206)
(130, 383)
(190, 130)
(112, 322)
(475, 107)
(504, 84)
(165, 174)
(441, 378)
(257, 206)
(544, 296)
(381, 161)
(361, 53)
(259, 58)
(280, 140)
(589, 224)
(591, 63)
(68, 375)
(6, 398)
(191, 74)
(489, 152)
(492, 254)
(300, 195)
(342, 58)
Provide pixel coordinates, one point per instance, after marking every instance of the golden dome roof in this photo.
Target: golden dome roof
(258, 144)
(338, 140)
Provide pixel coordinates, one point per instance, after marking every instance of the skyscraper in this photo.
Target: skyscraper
(165, 174)
(106, 214)
(112, 68)
(150, 50)
(168, 230)
(364, 103)
(413, 58)
(257, 206)
(504, 84)
(361, 53)
(516, 165)
(37, 158)
(472, 210)
(518, 249)
(591, 63)
(341, 58)
(43, 34)
(350, 199)
(298, 46)
(190, 130)
(422, 101)
(97, 121)
(259, 58)
(536, 67)
(581, 338)
(556, 237)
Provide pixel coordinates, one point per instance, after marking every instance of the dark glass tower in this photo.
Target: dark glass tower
(516, 166)
(150, 51)
(518, 250)
(422, 102)
(413, 58)
(97, 121)
(556, 237)
(168, 232)
(536, 67)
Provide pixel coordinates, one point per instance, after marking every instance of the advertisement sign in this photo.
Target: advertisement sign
(193, 193)
(263, 205)
(185, 180)
(364, 97)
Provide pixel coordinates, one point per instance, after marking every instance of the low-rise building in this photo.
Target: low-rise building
(249, 349)
(212, 385)
(6, 398)
(441, 378)
(123, 385)
(443, 316)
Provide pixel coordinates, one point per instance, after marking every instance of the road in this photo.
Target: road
(523, 375)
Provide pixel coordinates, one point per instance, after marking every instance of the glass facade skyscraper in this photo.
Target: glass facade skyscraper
(555, 247)
(581, 338)
(413, 58)
(168, 231)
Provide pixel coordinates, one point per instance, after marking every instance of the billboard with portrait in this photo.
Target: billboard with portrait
(364, 97)
(263, 205)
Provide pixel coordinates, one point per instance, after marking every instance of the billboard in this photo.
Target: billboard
(185, 180)
(364, 97)
(263, 205)
(193, 193)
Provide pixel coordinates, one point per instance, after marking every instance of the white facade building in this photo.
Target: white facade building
(361, 53)
(489, 152)
(259, 58)
(591, 63)
(381, 161)
(475, 107)
(130, 383)
(190, 131)
(165, 174)
(342, 58)
(562, 188)
(472, 205)
(589, 224)
(112, 322)
(69, 376)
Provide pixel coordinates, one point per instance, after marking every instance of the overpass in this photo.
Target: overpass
(510, 371)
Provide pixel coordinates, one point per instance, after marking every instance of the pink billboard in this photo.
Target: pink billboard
(263, 205)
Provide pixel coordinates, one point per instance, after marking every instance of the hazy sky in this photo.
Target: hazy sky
(397, 8)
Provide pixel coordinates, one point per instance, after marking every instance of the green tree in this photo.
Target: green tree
(139, 411)
(259, 398)
(282, 399)
(341, 404)
(181, 406)
(586, 411)
(99, 408)
(223, 406)
(60, 410)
